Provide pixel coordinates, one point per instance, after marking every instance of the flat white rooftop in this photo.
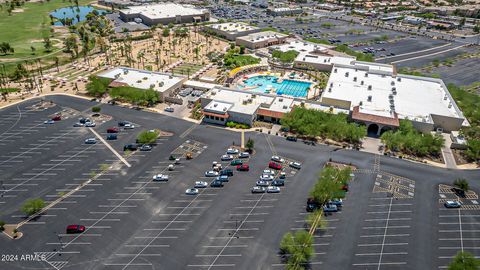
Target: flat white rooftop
(299, 46)
(263, 36)
(232, 28)
(164, 10)
(242, 102)
(220, 107)
(415, 98)
(324, 59)
(142, 79)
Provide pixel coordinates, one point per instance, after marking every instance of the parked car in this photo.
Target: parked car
(232, 151)
(191, 191)
(112, 130)
(129, 126)
(278, 183)
(295, 165)
(111, 136)
(453, 204)
(75, 229)
(277, 159)
(145, 147)
(91, 141)
(274, 165)
(130, 147)
(216, 183)
(291, 138)
(160, 177)
(258, 189)
(84, 120)
(57, 118)
(74, 125)
(211, 173)
(328, 208)
(200, 184)
(244, 155)
(337, 202)
(90, 124)
(243, 167)
(223, 178)
(261, 183)
(282, 175)
(236, 162)
(270, 172)
(273, 189)
(169, 109)
(227, 172)
(217, 167)
(123, 123)
(226, 157)
(312, 205)
(266, 177)
(49, 122)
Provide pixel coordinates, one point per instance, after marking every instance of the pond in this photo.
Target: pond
(77, 14)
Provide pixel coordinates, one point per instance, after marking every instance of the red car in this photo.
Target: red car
(243, 167)
(112, 130)
(345, 187)
(274, 165)
(75, 229)
(57, 118)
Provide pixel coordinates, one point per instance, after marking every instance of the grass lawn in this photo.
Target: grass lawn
(22, 28)
(184, 67)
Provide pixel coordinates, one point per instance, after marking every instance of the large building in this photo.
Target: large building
(231, 30)
(284, 11)
(163, 83)
(379, 97)
(164, 13)
(261, 39)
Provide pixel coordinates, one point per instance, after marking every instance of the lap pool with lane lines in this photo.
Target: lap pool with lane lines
(263, 84)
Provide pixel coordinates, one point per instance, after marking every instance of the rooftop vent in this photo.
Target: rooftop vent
(366, 74)
(224, 109)
(450, 105)
(330, 89)
(285, 107)
(331, 84)
(445, 97)
(280, 99)
(370, 87)
(392, 83)
(354, 79)
(335, 70)
(346, 74)
(361, 83)
(369, 98)
(125, 71)
(399, 79)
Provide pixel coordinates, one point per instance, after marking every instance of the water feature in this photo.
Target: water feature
(72, 12)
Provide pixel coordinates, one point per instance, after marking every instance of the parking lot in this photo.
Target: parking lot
(133, 222)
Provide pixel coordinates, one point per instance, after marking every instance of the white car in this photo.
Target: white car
(191, 191)
(90, 124)
(169, 109)
(171, 167)
(160, 177)
(232, 151)
(296, 165)
(277, 159)
(129, 126)
(269, 172)
(226, 157)
(266, 177)
(211, 173)
(258, 190)
(272, 189)
(244, 155)
(200, 184)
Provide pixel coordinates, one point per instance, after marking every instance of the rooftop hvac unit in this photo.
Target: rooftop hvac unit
(324, 60)
(370, 87)
(250, 100)
(366, 74)
(125, 71)
(215, 105)
(445, 97)
(335, 70)
(285, 107)
(330, 89)
(280, 99)
(399, 79)
(392, 83)
(450, 105)
(152, 85)
(254, 96)
(331, 84)
(356, 70)
(346, 74)
(369, 98)
(390, 97)
(360, 103)
(361, 83)
(224, 109)
(354, 79)
(214, 93)
(392, 107)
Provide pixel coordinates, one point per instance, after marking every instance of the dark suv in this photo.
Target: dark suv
(131, 147)
(227, 172)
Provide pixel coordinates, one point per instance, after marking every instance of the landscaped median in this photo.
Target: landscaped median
(297, 249)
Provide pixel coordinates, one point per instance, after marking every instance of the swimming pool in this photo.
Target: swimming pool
(269, 84)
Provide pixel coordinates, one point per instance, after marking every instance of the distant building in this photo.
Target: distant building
(284, 11)
(261, 39)
(163, 83)
(164, 14)
(413, 20)
(231, 30)
(320, 61)
(123, 3)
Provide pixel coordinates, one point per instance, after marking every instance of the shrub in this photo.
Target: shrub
(96, 109)
(147, 137)
(285, 57)
(32, 206)
(232, 124)
(97, 86)
(135, 95)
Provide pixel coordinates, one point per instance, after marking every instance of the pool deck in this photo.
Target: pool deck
(310, 93)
